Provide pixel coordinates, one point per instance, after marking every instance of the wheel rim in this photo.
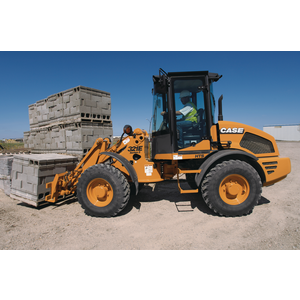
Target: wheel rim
(234, 189)
(99, 192)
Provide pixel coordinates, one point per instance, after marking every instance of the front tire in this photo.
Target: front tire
(103, 191)
(232, 188)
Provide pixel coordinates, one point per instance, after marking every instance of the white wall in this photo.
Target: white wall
(284, 132)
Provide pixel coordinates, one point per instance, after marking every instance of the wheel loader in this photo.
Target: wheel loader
(227, 162)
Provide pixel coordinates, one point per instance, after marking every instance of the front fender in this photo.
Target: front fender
(127, 166)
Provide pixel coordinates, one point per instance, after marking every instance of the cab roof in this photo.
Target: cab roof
(211, 76)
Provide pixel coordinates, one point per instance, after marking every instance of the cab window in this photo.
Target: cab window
(190, 111)
(160, 118)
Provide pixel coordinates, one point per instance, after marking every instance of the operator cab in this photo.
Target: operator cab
(183, 110)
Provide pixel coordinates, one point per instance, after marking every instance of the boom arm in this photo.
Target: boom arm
(66, 183)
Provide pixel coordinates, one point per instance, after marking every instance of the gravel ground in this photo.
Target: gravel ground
(160, 218)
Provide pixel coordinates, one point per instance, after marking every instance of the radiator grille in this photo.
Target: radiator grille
(256, 144)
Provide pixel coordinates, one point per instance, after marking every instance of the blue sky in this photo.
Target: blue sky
(259, 88)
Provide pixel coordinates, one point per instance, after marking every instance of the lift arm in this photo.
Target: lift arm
(66, 183)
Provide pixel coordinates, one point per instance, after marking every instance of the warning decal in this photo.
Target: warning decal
(126, 141)
(148, 170)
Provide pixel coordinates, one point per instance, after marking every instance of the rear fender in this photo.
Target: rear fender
(221, 155)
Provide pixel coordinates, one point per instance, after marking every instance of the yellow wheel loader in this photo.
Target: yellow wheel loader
(227, 162)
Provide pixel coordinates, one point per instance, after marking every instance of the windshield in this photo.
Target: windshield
(213, 102)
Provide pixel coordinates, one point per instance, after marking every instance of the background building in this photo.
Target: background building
(284, 132)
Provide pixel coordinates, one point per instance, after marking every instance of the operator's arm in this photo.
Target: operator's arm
(184, 111)
(177, 113)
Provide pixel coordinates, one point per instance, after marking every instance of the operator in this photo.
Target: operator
(188, 112)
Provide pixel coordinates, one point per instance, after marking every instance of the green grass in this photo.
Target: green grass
(12, 146)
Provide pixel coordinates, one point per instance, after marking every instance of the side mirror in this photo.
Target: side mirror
(160, 84)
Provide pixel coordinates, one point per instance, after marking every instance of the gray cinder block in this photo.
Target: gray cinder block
(5, 184)
(69, 121)
(77, 103)
(37, 170)
(6, 164)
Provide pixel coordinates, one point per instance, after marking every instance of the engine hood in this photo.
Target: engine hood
(246, 138)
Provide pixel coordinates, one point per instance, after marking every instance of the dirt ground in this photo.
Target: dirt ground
(160, 219)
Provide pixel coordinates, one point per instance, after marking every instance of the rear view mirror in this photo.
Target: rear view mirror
(160, 84)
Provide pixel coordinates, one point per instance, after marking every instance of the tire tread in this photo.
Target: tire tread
(212, 174)
(123, 188)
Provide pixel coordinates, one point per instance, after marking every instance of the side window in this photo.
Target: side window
(190, 111)
(160, 119)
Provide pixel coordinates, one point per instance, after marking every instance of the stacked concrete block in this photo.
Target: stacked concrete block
(31, 172)
(74, 105)
(5, 173)
(5, 184)
(6, 164)
(88, 132)
(69, 122)
(73, 138)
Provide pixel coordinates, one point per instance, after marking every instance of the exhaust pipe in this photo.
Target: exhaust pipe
(220, 116)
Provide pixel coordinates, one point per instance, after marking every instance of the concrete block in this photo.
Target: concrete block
(108, 132)
(21, 176)
(66, 98)
(6, 165)
(48, 139)
(26, 197)
(90, 103)
(72, 119)
(75, 101)
(69, 145)
(69, 132)
(41, 105)
(5, 184)
(80, 101)
(59, 113)
(28, 170)
(15, 182)
(51, 115)
(31, 183)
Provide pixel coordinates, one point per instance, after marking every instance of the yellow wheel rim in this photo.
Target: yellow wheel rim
(99, 192)
(234, 189)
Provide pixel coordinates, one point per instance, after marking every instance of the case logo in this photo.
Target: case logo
(232, 130)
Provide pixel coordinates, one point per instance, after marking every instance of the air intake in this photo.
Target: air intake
(256, 144)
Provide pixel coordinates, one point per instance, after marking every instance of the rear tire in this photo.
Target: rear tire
(232, 188)
(103, 191)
